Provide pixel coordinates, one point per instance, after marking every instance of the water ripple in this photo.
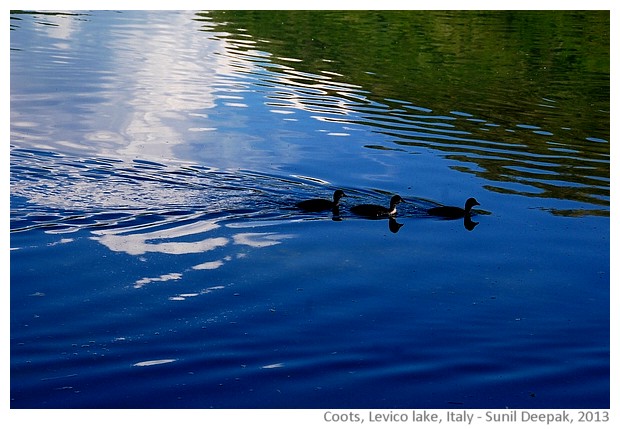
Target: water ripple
(240, 79)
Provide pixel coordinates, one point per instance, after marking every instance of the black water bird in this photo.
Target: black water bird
(376, 211)
(450, 212)
(321, 204)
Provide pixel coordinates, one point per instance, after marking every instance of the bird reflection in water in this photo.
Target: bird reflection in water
(394, 225)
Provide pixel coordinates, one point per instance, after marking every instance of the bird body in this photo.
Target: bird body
(321, 204)
(377, 211)
(450, 212)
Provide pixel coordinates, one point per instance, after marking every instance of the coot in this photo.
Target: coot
(376, 211)
(450, 212)
(321, 204)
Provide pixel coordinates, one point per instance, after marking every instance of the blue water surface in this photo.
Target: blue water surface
(158, 261)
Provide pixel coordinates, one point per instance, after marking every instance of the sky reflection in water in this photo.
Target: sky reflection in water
(155, 161)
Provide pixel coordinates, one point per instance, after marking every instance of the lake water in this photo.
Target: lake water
(158, 261)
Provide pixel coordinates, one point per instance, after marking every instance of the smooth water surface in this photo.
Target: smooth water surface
(158, 261)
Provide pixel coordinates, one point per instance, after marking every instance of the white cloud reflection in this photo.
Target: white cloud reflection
(177, 241)
(154, 362)
(166, 80)
(182, 240)
(162, 78)
(184, 296)
(212, 265)
(260, 239)
(162, 278)
(61, 27)
(163, 240)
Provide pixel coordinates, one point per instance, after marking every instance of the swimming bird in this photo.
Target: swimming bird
(450, 212)
(376, 211)
(321, 204)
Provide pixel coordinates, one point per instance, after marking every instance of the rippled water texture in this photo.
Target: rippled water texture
(158, 259)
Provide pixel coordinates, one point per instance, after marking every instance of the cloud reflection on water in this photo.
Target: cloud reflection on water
(162, 240)
(158, 93)
(182, 240)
